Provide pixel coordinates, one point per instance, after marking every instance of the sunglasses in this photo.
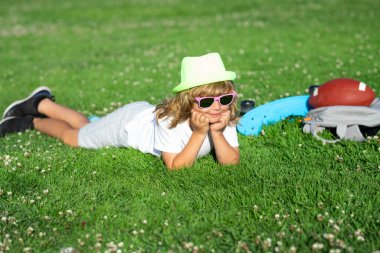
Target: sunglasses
(226, 99)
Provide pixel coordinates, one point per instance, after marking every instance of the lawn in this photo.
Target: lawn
(290, 193)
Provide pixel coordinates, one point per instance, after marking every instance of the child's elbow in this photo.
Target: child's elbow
(230, 160)
(233, 162)
(170, 167)
(174, 166)
(169, 164)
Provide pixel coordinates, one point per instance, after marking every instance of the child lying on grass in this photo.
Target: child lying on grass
(199, 119)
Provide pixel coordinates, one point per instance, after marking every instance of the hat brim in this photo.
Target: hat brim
(227, 76)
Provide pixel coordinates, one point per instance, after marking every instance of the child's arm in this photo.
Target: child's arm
(225, 153)
(188, 155)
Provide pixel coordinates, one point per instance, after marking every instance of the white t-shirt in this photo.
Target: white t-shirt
(149, 135)
(174, 140)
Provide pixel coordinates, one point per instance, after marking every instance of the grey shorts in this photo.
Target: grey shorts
(110, 129)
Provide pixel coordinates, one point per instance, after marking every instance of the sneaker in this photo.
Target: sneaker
(15, 125)
(28, 106)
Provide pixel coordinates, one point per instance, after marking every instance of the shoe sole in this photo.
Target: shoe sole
(6, 119)
(41, 88)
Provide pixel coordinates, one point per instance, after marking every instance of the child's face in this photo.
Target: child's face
(214, 112)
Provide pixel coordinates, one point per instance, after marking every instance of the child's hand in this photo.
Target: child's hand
(199, 122)
(224, 120)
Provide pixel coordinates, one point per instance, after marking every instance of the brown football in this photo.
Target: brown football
(342, 91)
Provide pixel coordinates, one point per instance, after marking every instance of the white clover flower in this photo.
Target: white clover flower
(317, 246)
(358, 232)
(329, 236)
(29, 230)
(281, 235)
(335, 251)
(188, 245)
(27, 249)
(98, 245)
(360, 238)
(46, 192)
(336, 227)
(81, 243)
(267, 243)
(68, 250)
(112, 246)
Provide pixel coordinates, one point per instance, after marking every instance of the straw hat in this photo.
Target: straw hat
(200, 70)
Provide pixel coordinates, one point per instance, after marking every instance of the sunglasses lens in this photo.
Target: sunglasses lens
(226, 100)
(206, 102)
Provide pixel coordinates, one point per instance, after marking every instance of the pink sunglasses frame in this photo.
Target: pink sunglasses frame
(198, 99)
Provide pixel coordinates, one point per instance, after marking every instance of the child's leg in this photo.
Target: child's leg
(53, 110)
(58, 129)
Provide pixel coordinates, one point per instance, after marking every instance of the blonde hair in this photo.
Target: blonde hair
(179, 107)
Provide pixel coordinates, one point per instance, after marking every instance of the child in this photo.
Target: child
(198, 119)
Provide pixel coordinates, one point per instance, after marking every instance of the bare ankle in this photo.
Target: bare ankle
(43, 104)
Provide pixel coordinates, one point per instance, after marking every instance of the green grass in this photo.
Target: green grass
(289, 190)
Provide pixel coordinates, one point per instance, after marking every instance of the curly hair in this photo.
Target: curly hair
(179, 107)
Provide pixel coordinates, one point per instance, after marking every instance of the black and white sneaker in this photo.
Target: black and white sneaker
(15, 125)
(28, 106)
